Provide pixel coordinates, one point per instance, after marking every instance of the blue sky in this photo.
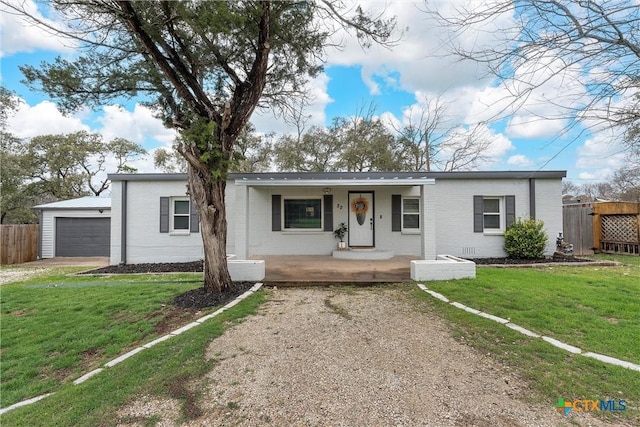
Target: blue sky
(396, 82)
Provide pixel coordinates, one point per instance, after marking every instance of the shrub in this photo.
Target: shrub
(525, 239)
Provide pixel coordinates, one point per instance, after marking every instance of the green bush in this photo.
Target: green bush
(525, 239)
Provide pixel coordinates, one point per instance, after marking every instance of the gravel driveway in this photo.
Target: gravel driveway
(352, 357)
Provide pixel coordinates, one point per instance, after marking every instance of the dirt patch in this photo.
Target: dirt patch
(172, 318)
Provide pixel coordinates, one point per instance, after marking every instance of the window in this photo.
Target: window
(180, 215)
(491, 213)
(303, 214)
(411, 213)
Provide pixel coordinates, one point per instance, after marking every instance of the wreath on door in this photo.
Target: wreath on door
(360, 206)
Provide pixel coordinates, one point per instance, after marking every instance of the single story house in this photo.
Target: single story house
(75, 228)
(423, 214)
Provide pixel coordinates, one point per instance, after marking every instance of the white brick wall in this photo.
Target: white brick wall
(450, 202)
(454, 217)
(263, 241)
(145, 243)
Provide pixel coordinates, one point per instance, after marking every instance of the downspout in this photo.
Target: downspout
(532, 198)
(123, 225)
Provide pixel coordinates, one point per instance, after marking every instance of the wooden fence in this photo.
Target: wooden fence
(18, 243)
(577, 225)
(611, 227)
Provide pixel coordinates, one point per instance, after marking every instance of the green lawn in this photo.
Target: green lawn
(57, 327)
(594, 308)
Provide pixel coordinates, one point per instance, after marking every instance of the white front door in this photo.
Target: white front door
(361, 220)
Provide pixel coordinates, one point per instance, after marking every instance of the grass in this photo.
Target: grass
(165, 371)
(594, 308)
(56, 327)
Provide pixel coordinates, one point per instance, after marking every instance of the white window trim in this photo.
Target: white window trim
(402, 213)
(301, 230)
(501, 213)
(172, 214)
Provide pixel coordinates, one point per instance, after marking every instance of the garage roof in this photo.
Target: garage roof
(87, 202)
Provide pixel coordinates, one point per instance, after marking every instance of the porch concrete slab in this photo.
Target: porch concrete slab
(325, 269)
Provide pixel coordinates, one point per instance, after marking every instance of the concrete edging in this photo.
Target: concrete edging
(556, 343)
(137, 350)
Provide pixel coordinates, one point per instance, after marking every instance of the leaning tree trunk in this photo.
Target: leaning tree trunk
(208, 195)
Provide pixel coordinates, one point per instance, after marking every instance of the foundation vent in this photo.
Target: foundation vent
(468, 251)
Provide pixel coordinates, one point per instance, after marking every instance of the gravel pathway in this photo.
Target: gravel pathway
(351, 357)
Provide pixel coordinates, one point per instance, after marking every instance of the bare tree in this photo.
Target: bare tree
(595, 45)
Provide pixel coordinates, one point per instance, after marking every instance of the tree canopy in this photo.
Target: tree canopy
(204, 66)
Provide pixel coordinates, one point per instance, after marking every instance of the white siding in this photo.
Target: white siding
(48, 226)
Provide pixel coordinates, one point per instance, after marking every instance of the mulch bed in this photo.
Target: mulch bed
(175, 267)
(195, 298)
(515, 261)
(199, 298)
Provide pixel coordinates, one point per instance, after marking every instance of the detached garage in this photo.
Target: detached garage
(75, 228)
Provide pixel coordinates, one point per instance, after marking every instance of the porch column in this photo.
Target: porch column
(241, 215)
(428, 221)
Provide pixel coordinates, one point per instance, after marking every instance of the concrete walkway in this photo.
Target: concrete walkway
(96, 261)
(306, 269)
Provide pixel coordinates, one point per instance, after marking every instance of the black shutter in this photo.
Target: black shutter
(276, 220)
(396, 212)
(510, 202)
(478, 214)
(328, 212)
(194, 220)
(164, 214)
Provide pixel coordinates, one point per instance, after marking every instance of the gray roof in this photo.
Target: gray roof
(87, 202)
(398, 175)
(262, 176)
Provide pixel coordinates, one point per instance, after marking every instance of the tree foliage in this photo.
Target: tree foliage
(205, 66)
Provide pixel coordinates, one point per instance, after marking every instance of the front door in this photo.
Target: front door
(361, 219)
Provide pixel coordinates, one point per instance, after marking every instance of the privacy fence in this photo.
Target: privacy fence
(609, 227)
(18, 243)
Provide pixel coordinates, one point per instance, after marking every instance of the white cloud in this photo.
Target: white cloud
(139, 125)
(519, 160)
(317, 91)
(42, 119)
(495, 145)
(603, 151)
(19, 35)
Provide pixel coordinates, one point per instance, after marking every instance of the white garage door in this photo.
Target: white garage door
(78, 237)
